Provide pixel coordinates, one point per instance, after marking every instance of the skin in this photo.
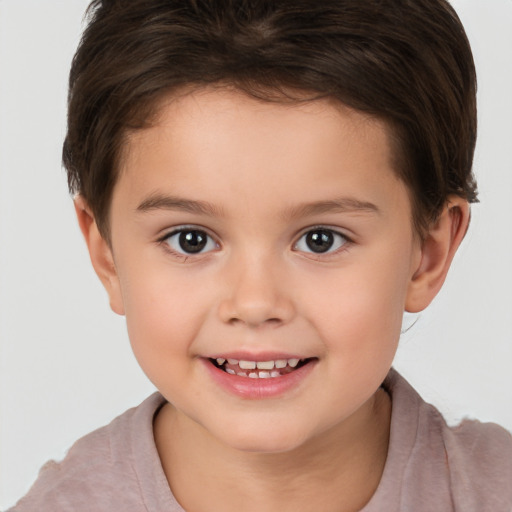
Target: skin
(269, 174)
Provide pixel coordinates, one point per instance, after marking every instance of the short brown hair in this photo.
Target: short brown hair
(407, 62)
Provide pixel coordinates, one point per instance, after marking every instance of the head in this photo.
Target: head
(408, 64)
(271, 181)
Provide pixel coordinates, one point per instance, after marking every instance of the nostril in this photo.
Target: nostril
(256, 322)
(256, 306)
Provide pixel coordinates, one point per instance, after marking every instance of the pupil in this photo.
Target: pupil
(319, 241)
(192, 241)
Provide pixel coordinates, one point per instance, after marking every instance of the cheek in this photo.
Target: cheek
(163, 314)
(359, 310)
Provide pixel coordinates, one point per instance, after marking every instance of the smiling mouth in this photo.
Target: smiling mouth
(259, 369)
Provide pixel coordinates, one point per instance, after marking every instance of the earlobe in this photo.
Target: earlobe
(437, 252)
(100, 253)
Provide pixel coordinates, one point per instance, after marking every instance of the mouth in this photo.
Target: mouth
(270, 369)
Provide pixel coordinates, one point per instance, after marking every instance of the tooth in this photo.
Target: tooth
(265, 365)
(241, 374)
(275, 374)
(247, 365)
(281, 363)
(264, 375)
(253, 375)
(220, 360)
(232, 361)
(230, 371)
(293, 362)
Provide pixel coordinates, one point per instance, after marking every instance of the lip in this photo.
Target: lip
(258, 389)
(261, 356)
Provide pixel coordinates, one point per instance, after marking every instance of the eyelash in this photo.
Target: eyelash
(326, 232)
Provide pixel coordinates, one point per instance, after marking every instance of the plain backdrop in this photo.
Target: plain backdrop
(65, 360)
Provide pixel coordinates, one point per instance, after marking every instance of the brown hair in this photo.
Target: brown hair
(407, 62)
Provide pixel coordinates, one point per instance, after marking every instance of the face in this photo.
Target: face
(263, 256)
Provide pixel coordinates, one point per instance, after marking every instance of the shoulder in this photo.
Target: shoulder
(472, 461)
(479, 457)
(98, 472)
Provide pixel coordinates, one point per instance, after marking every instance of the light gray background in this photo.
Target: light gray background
(65, 361)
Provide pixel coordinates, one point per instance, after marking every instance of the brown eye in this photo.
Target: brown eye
(320, 241)
(193, 241)
(190, 241)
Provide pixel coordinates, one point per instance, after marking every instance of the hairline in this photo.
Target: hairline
(282, 95)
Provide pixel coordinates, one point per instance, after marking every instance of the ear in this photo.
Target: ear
(437, 252)
(101, 254)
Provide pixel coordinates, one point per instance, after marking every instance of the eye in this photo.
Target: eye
(190, 241)
(320, 240)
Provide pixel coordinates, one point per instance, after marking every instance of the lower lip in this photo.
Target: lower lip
(257, 389)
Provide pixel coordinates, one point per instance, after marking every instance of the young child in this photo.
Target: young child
(265, 187)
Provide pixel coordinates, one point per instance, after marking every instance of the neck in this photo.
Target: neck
(339, 470)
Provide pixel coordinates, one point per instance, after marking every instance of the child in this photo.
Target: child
(264, 188)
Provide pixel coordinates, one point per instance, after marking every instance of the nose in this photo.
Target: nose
(256, 294)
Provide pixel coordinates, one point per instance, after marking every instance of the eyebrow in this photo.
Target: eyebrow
(340, 205)
(164, 202)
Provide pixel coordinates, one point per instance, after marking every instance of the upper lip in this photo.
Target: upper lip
(257, 357)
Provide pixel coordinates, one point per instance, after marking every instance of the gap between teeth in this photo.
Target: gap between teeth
(255, 375)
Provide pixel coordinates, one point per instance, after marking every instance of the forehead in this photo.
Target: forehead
(209, 140)
(211, 115)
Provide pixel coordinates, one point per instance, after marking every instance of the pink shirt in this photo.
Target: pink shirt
(430, 467)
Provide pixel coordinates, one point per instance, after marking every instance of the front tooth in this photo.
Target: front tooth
(281, 363)
(265, 365)
(293, 362)
(275, 374)
(264, 375)
(247, 365)
(220, 361)
(232, 361)
(253, 375)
